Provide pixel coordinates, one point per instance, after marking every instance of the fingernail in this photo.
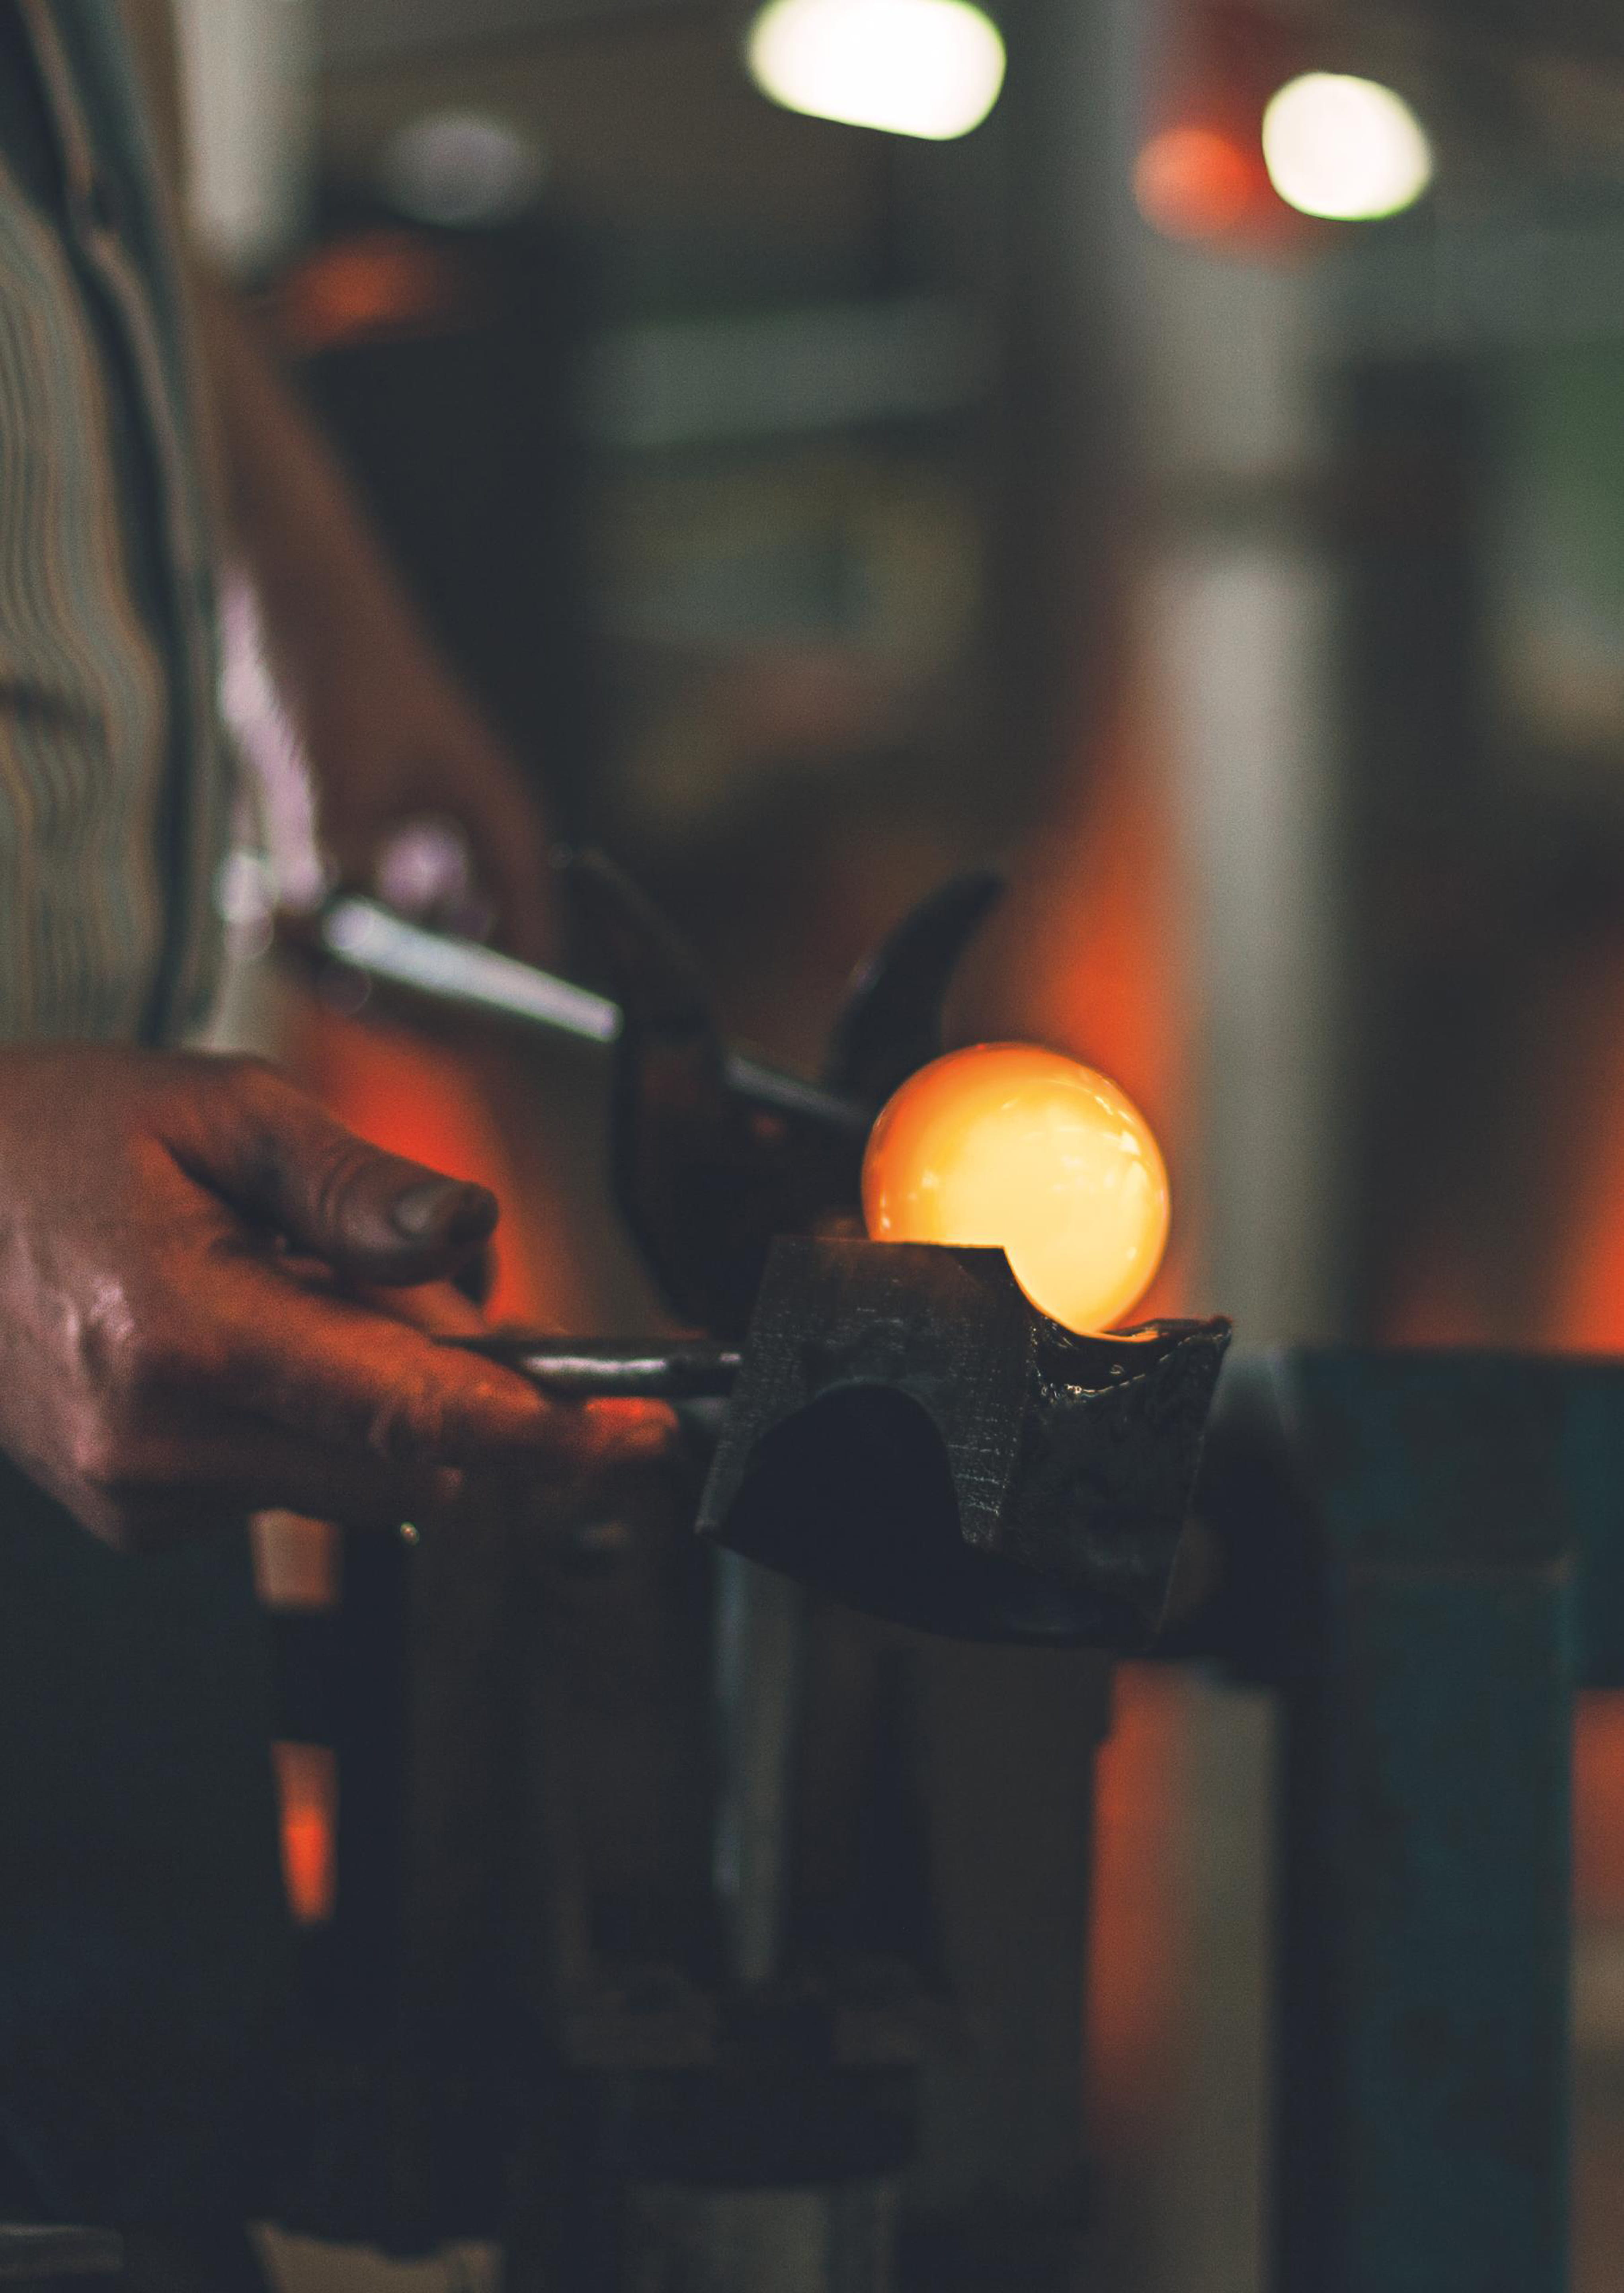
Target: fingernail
(447, 1209)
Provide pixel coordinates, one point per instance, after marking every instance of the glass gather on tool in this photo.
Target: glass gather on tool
(1010, 1147)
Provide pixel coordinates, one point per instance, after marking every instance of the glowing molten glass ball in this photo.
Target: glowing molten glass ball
(1008, 1146)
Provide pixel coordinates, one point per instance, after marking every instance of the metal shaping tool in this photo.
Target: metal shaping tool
(467, 976)
(713, 1150)
(912, 1436)
(631, 1369)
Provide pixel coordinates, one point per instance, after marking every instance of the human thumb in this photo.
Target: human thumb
(369, 1214)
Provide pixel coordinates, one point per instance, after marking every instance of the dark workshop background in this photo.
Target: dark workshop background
(820, 510)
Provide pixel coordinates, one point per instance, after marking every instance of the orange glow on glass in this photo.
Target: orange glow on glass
(1010, 1147)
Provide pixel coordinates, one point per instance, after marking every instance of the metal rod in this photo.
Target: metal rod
(762, 1625)
(375, 941)
(642, 1369)
(386, 946)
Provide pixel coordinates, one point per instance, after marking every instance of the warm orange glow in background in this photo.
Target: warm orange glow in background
(421, 1098)
(1196, 181)
(375, 283)
(1200, 174)
(307, 1785)
(1005, 1145)
(426, 1099)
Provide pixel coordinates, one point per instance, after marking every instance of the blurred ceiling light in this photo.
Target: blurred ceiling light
(930, 68)
(1194, 182)
(1349, 149)
(463, 169)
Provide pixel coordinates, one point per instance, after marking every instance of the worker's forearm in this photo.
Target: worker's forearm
(327, 595)
(390, 734)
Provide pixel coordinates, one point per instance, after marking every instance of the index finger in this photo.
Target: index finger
(332, 1368)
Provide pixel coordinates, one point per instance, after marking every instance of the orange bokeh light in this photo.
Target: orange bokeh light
(1194, 182)
(1013, 1147)
(373, 284)
(307, 1788)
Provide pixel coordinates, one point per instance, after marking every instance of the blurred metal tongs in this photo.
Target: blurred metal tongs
(713, 1153)
(460, 973)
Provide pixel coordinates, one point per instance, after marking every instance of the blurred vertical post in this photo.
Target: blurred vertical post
(1239, 607)
(1057, 273)
(1033, 213)
(249, 73)
(1242, 605)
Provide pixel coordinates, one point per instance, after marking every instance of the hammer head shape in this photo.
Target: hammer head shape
(911, 1437)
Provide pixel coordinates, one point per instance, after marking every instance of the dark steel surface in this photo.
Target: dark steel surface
(1399, 1537)
(760, 1664)
(911, 1437)
(703, 1180)
(1592, 1481)
(462, 975)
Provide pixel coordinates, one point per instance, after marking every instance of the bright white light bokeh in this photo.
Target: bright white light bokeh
(930, 68)
(1348, 148)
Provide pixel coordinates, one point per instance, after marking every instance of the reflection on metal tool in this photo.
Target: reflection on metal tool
(374, 940)
(642, 1369)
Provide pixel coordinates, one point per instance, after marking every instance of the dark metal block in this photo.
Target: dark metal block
(911, 1437)
(1422, 2100)
(1592, 1466)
